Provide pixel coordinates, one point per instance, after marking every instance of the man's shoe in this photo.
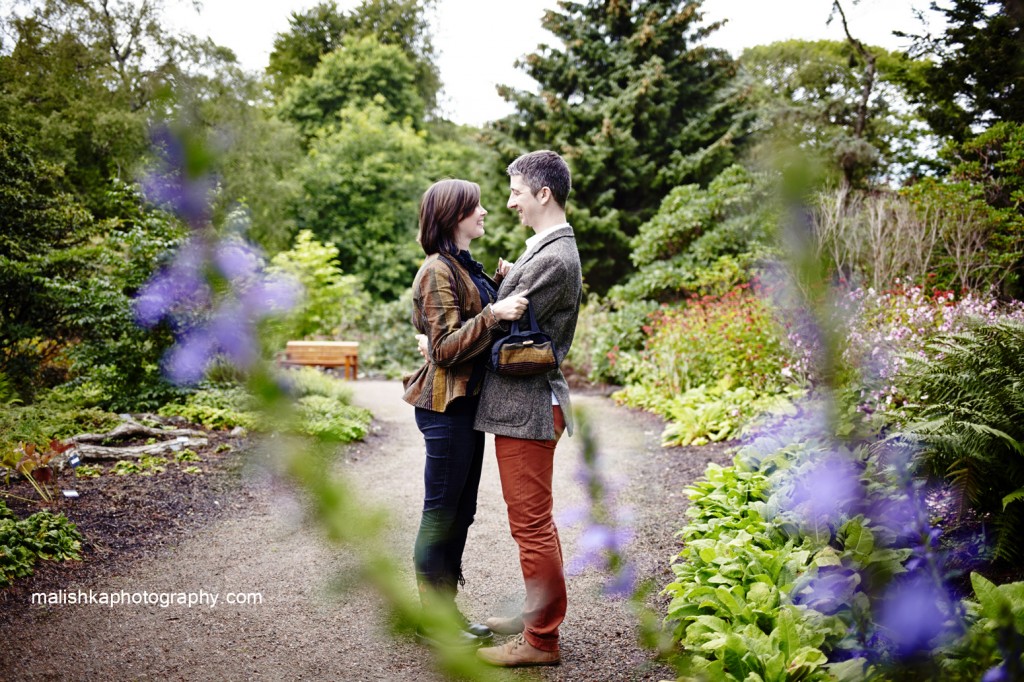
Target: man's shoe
(447, 639)
(505, 626)
(517, 652)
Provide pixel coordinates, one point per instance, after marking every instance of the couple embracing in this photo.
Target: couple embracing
(461, 311)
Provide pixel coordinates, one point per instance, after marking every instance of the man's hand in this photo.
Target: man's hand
(421, 342)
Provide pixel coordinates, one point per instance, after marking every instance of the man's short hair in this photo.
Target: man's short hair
(541, 169)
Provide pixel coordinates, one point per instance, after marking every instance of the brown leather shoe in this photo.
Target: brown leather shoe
(505, 626)
(517, 652)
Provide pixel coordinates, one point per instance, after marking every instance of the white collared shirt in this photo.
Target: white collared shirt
(530, 241)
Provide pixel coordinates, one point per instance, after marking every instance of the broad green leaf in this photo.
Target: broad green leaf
(859, 540)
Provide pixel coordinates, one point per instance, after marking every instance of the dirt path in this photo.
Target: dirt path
(300, 628)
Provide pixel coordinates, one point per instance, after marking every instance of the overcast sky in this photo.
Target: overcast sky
(479, 40)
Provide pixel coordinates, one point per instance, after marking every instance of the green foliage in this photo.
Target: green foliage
(323, 407)
(42, 535)
(967, 415)
(43, 247)
(710, 366)
(361, 187)
(84, 79)
(974, 79)
(48, 419)
(729, 610)
(995, 637)
(147, 465)
(603, 332)
(811, 95)
(334, 304)
(628, 83)
(387, 342)
(361, 72)
(702, 240)
(321, 402)
(215, 407)
(321, 30)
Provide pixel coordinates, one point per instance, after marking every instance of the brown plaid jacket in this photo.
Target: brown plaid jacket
(447, 308)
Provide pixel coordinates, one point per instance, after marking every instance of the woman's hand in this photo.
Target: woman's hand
(511, 308)
(503, 267)
(421, 342)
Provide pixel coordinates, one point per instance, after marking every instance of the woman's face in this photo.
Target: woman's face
(470, 227)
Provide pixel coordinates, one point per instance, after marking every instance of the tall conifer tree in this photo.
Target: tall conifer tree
(632, 100)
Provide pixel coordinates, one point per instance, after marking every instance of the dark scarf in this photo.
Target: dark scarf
(476, 273)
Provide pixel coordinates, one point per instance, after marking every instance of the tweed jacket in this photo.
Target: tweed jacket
(447, 308)
(551, 278)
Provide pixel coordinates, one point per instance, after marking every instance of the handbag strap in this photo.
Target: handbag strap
(534, 327)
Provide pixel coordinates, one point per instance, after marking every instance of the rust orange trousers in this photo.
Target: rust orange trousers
(526, 468)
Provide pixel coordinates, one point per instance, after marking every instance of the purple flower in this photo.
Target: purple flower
(829, 591)
(829, 489)
(913, 613)
(186, 362)
(272, 294)
(236, 260)
(180, 285)
(181, 184)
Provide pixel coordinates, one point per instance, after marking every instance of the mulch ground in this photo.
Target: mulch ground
(125, 517)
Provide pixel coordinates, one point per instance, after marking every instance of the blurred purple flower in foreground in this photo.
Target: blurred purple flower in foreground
(182, 184)
(606, 533)
(914, 612)
(214, 291)
(828, 490)
(206, 325)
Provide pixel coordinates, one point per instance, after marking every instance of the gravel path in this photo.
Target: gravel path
(303, 628)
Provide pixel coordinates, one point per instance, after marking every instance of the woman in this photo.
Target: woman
(454, 306)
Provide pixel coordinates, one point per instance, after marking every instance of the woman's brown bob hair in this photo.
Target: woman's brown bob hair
(443, 205)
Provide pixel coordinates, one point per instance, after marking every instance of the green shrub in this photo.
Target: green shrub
(333, 305)
(710, 366)
(967, 416)
(387, 343)
(45, 420)
(603, 333)
(330, 419)
(43, 535)
(215, 407)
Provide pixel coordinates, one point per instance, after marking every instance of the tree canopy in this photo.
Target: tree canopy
(977, 68)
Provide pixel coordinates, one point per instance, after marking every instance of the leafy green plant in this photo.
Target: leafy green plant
(966, 417)
(187, 455)
(215, 407)
(328, 419)
(147, 465)
(49, 419)
(334, 303)
(711, 366)
(43, 535)
(88, 471)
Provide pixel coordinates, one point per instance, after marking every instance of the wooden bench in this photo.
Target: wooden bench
(324, 354)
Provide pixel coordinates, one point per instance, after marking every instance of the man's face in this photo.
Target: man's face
(522, 201)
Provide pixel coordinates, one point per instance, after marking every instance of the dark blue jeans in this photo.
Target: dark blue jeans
(455, 454)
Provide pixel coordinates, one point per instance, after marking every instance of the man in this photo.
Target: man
(527, 415)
